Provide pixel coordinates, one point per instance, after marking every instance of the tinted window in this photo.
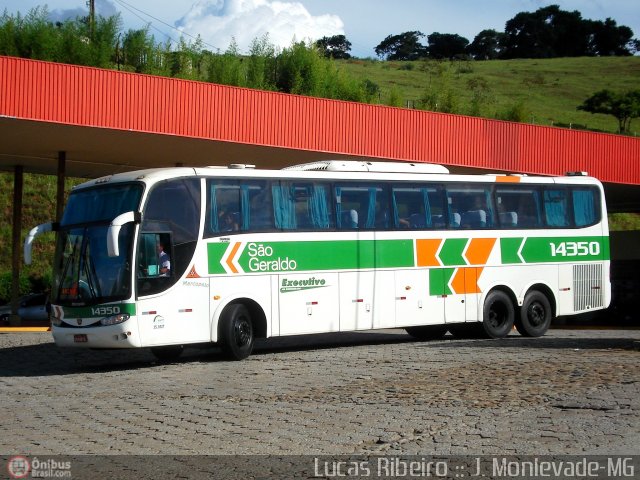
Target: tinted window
(418, 207)
(361, 206)
(301, 206)
(101, 203)
(233, 206)
(170, 226)
(586, 206)
(470, 207)
(518, 207)
(556, 207)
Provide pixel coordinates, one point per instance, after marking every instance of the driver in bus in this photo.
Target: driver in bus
(163, 260)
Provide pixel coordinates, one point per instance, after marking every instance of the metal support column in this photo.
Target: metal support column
(62, 166)
(16, 244)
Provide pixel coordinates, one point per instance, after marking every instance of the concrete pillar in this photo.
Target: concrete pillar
(62, 167)
(18, 180)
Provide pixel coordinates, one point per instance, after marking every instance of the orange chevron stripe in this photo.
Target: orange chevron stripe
(479, 250)
(426, 252)
(465, 280)
(471, 279)
(234, 250)
(458, 283)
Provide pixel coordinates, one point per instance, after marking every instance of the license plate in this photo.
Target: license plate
(82, 338)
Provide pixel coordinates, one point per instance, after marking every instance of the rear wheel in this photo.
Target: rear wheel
(535, 315)
(499, 314)
(236, 332)
(429, 332)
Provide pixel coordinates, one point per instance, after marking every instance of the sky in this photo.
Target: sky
(364, 22)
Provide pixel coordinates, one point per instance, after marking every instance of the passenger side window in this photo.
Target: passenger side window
(417, 207)
(518, 207)
(470, 207)
(301, 206)
(361, 206)
(234, 206)
(556, 207)
(586, 206)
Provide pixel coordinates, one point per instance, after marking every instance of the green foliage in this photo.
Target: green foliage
(515, 112)
(623, 106)
(405, 46)
(39, 197)
(550, 88)
(5, 286)
(336, 46)
(550, 32)
(624, 222)
(394, 99)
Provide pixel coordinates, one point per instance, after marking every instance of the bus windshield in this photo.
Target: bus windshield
(84, 273)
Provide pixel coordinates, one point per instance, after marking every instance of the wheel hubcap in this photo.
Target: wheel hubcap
(243, 332)
(497, 315)
(536, 314)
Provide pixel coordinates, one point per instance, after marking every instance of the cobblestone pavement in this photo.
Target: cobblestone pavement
(570, 392)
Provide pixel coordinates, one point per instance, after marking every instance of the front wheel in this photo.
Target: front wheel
(535, 315)
(236, 332)
(428, 332)
(499, 314)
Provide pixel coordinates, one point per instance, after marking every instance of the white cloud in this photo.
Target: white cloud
(218, 21)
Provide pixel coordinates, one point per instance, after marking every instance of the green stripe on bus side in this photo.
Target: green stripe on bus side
(215, 251)
(554, 249)
(267, 257)
(329, 255)
(439, 279)
(103, 310)
(451, 252)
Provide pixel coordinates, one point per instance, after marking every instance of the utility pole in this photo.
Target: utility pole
(92, 17)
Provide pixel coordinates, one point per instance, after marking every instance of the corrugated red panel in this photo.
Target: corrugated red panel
(75, 95)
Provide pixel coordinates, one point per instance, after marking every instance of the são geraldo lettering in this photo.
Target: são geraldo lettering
(261, 259)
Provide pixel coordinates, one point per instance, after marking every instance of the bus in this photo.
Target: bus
(164, 258)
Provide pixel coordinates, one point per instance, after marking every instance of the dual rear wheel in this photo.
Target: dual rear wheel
(499, 314)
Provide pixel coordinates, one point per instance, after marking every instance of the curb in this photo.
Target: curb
(24, 329)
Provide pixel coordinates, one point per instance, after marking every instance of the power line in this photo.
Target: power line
(129, 7)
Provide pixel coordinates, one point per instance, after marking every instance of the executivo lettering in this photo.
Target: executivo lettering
(297, 285)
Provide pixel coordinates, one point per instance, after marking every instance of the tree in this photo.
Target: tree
(336, 46)
(610, 39)
(551, 32)
(446, 45)
(623, 106)
(487, 45)
(405, 46)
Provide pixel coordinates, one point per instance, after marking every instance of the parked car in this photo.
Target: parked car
(32, 307)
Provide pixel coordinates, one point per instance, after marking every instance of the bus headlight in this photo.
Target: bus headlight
(115, 319)
(55, 321)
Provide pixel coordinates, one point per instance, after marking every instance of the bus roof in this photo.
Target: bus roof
(335, 169)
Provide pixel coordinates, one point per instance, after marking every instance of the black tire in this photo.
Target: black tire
(236, 334)
(167, 354)
(498, 315)
(427, 332)
(535, 315)
(4, 320)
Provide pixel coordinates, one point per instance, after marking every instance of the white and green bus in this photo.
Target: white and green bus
(170, 257)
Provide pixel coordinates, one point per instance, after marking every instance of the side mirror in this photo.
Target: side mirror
(113, 249)
(33, 233)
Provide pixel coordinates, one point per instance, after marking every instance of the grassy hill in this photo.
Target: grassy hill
(545, 92)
